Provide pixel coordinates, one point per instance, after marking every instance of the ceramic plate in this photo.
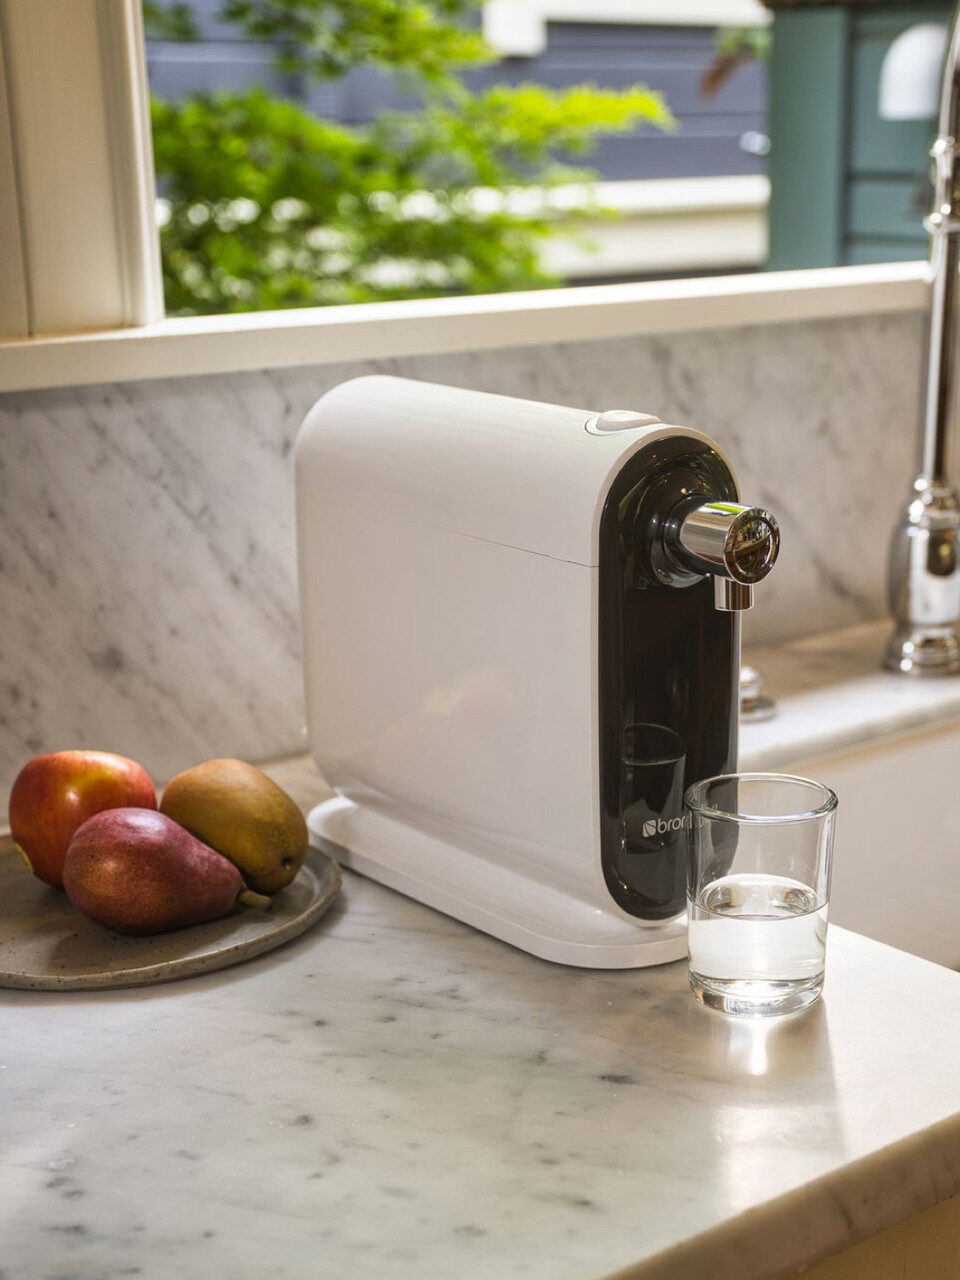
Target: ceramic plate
(47, 945)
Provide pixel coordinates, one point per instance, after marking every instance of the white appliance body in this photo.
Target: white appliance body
(448, 562)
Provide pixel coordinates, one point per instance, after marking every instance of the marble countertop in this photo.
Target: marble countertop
(397, 1095)
(832, 695)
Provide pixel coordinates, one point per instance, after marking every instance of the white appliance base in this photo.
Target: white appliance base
(528, 914)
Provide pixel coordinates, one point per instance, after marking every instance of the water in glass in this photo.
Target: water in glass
(757, 941)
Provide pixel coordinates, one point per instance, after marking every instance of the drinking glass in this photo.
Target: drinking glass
(758, 884)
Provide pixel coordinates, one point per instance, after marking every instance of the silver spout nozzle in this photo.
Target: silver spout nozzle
(737, 543)
(730, 596)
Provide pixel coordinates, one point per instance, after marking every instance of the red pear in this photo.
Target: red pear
(137, 871)
(55, 794)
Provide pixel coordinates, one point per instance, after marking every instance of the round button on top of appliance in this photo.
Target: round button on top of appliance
(619, 420)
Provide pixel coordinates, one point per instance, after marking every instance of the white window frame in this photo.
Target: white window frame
(75, 131)
(80, 287)
(378, 330)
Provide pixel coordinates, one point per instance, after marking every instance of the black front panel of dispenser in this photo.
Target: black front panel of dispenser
(668, 676)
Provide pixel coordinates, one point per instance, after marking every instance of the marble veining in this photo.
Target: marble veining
(147, 553)
(396, 1095)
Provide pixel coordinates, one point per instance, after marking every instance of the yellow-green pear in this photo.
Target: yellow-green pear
(237, 810)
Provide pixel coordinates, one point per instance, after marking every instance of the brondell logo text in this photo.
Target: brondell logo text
(660, 826)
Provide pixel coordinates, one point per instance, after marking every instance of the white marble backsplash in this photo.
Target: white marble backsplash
(147, 559)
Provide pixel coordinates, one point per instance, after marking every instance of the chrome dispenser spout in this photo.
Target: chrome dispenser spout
(737, 544)
(730, 596)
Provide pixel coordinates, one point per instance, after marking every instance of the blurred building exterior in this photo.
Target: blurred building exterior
(689, 201)
(846, 186)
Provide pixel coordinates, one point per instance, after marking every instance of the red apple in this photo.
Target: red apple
(55, 794)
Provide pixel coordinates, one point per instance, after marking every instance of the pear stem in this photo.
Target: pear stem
(251, 899)
(23, 854)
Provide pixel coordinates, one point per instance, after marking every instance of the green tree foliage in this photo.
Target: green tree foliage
(267, 205)
(169, 22)
(753, 44)
(326, 38)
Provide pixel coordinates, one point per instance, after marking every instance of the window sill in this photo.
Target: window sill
(279, 339)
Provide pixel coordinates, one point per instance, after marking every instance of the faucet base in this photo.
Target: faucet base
(923, 651)
(924, 583)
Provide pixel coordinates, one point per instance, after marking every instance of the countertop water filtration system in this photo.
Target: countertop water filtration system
(521, 644)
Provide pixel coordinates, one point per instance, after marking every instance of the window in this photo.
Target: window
(453, 190)
(318, 152)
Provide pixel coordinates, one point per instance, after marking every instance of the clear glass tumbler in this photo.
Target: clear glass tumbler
(758, 884)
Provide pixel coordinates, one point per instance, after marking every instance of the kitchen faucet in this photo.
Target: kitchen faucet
(924, 573)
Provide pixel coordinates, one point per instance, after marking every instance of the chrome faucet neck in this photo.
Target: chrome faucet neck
(924, 570)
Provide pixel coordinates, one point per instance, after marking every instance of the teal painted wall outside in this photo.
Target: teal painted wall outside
(846, 186)
(807, 126)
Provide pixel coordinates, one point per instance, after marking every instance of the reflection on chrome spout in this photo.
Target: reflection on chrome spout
(730, 596)
(737, 544)
(742, 543)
